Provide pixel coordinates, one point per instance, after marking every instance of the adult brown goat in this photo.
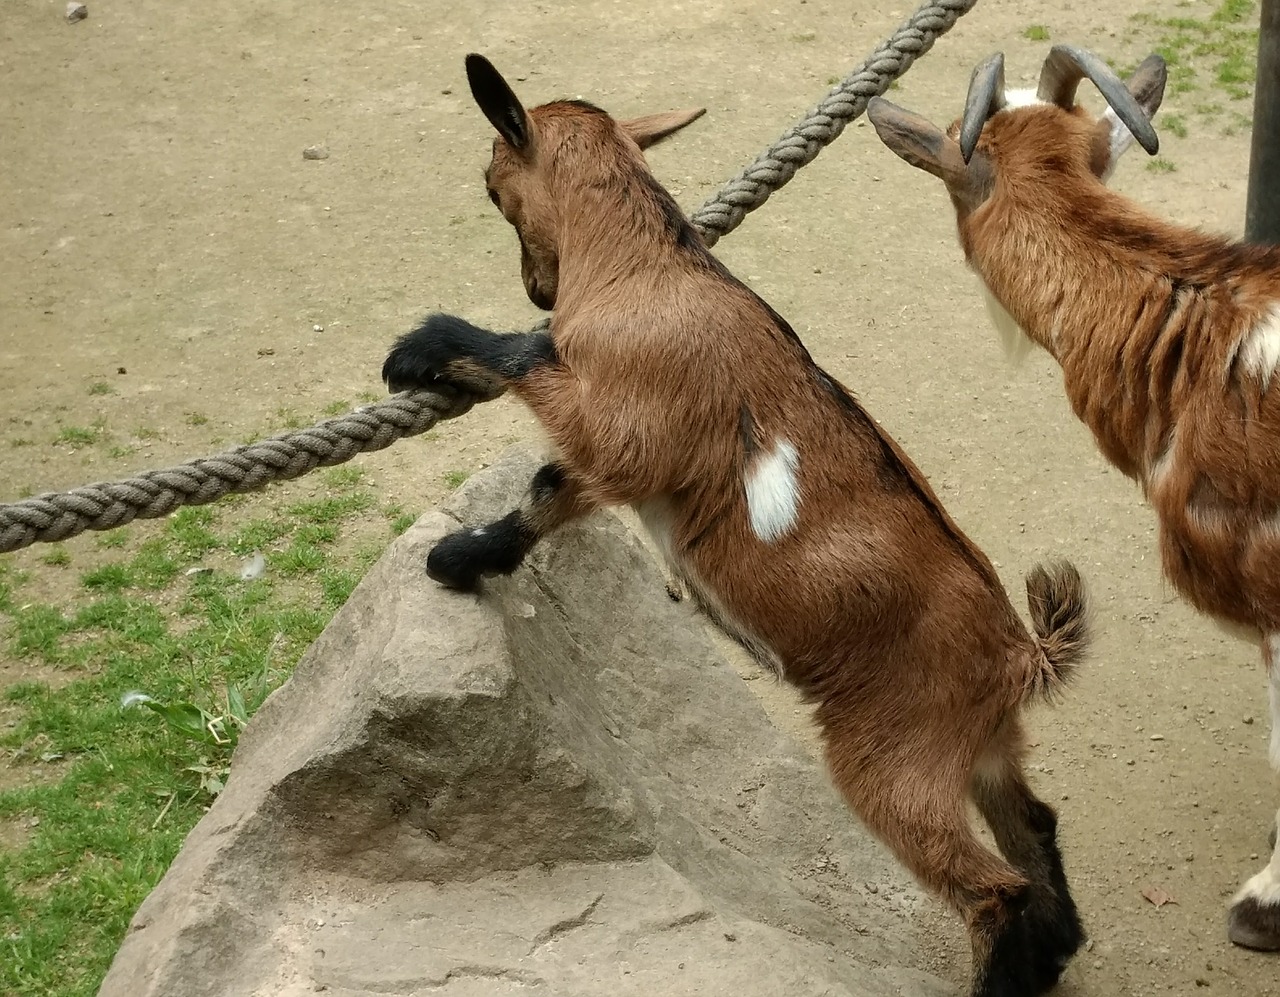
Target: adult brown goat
(794, 520)
(1168, 338)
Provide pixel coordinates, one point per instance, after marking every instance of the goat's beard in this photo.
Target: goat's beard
(1015, 343)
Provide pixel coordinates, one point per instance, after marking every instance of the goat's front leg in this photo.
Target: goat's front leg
(461, 559)
(1254, 918)
(451, 352)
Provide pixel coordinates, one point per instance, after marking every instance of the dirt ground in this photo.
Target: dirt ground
(161, 233)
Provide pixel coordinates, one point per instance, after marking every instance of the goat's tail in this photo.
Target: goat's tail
(1060, 613)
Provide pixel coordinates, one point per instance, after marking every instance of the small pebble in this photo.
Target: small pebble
(872, 888)
(1157, 737)
(730, 936)
(315, 152)
(317, 328)
(77, 12)
(1248, 720)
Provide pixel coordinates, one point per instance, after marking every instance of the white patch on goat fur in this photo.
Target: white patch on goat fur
(1014, 99)
(773, 492)
(1159, 468)
(1121, 140)
(1265, 886)
(1259, 349)
(1015, 343)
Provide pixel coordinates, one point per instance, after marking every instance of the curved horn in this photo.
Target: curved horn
(986, 96)
(1067, 65)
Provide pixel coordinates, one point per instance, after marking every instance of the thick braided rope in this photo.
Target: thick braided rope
(800, 146)
(152, 494)
(246, 468)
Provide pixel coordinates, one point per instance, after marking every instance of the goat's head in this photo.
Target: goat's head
(536, 146)
(1036, 134)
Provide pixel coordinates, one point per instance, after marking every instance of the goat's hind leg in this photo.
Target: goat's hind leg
(918, 809)
(1254, 918)
(461, 559)
(1025, 830)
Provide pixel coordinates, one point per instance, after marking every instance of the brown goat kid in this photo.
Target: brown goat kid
(796, 522)
(1168, 338)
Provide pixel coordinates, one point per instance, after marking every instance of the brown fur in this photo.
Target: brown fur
(1149, 322)
(672, 377)
(1146, 319)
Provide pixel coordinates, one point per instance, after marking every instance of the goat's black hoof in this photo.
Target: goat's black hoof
(1252, 924)
(1054, 935)
(406, 369)
(1029, 955)
(450, 577)
(461, 559)
(442, 351)
(453, 562)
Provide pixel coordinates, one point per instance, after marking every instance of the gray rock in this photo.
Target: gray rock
(315, 152)
(558, 786)
(77, 12)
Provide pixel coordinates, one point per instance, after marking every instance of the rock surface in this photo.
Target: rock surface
(558, 786)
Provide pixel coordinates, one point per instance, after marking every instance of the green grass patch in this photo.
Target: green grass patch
(399, 519)
(79, 436)
(1036, 33)
(1174, 124)
(344, 477)
(332, 509)
(164, 666)
(1210, 59)
(56, 557)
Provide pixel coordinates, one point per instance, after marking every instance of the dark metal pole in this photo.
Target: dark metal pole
(1262, 208)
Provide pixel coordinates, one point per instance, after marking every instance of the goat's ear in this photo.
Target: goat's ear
(1147, 86)
(499, 104)
(915, 139)
(925, 146)
(651, 128)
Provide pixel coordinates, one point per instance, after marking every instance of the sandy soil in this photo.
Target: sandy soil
(161, 232)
